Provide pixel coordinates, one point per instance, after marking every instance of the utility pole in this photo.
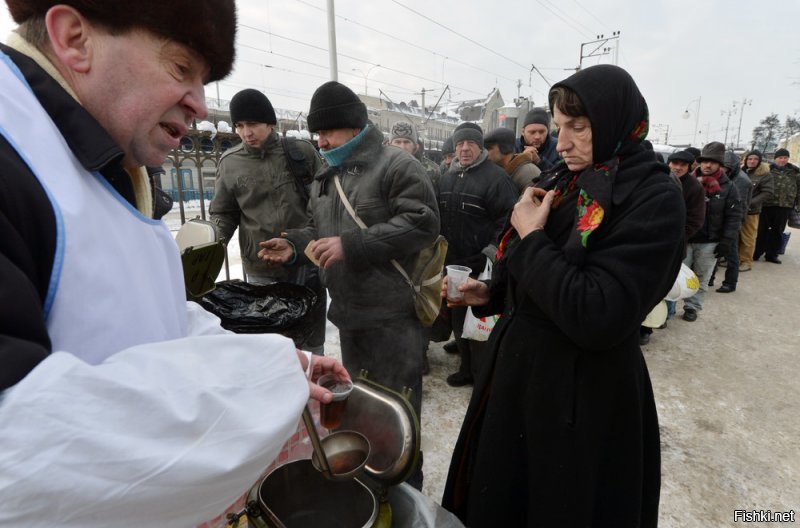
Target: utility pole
(422, 93)
(332, 42)
(600, 48)
(732, 110)
(745, 102)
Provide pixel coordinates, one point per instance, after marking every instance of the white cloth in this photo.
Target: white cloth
(165, 434)
(123, 425)
(116, 278)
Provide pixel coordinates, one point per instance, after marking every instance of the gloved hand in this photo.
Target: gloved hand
(722, 250)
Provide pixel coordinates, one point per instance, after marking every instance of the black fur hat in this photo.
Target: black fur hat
(206, 26)
(333, 106)
(504, 138)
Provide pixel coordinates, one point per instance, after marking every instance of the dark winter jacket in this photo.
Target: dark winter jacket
(723, 214)
(474, 203)
(391, 193)
(566, 412)
(694, 197)
(257, 192)
(28, 224)
(548, 156)
(561, 430)
(763, 187)
(787, 186)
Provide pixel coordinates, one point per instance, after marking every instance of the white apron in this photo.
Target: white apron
(108, 290)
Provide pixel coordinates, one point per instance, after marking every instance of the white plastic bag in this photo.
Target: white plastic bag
(686, 285)
(479, 328)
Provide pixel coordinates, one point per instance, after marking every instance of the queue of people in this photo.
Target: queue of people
(118, 394)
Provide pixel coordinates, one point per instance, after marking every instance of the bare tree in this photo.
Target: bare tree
(790, 127)
(767, 132)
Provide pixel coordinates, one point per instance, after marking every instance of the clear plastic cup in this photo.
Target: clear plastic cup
(330, 414)
(456, 276)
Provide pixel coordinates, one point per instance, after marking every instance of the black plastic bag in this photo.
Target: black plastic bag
(279, 308)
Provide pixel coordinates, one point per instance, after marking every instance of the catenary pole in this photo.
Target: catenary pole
(332, 41)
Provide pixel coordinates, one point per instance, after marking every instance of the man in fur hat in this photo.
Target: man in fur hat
(120, 403)
(718, 235)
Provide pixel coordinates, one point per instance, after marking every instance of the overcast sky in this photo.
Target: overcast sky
(679, 51)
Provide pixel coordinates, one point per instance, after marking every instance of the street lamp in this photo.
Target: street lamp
(745, 102)
(686, 115)
(366, 75)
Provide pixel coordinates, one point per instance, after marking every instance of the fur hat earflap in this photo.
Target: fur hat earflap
(206, 26)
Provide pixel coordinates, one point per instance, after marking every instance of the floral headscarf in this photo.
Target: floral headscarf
(619, 118)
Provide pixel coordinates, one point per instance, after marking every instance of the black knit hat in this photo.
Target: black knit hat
(714, 151)
(538, 116)
(448, 147)
(333, 106)
(206, 26)
(468, 131)
(681, 155)
(781, 152)
(504, 138)
(252, 105)
(694, 151)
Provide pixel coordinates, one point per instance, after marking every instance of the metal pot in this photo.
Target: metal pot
(300, 496)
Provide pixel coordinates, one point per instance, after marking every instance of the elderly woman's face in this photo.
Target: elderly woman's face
(574, 140)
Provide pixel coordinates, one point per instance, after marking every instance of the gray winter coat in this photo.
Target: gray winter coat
(394, 197)
(256, 192)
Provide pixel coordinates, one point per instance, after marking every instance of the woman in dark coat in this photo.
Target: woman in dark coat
(562, 427)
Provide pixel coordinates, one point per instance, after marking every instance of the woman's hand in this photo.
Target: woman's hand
(321, 365)
(531, 211)
(476, 293)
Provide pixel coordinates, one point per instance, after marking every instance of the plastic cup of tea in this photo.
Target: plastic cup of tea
(330, 414)
(456, 276)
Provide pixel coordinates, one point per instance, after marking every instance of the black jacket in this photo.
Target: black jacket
(723, 214)
(28, 225)
(391, 193)
(474, 204)
(562, 429)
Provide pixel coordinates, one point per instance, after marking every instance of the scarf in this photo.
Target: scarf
(337, 156)
(710, 183)
(619, 118)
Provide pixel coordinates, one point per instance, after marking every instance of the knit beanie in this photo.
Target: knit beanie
(206, 26)
(504, 138)
(404, 130)
(448, 147)
(333, 106)
(714, 151)
(781, 152)
(681, 155)
(538, 116)
(694, 151)
(252, 105)
(468, 131)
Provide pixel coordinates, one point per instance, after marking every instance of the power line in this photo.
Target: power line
(567, 22)
(364, 61)
(555, 7)
(602, 24)
(412, 44)
(460, 35)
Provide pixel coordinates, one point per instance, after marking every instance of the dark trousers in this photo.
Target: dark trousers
(771, 225)
(473, 353)
(392, 354)
(731, 272)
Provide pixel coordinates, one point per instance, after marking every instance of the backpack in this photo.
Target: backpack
(298, 166)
